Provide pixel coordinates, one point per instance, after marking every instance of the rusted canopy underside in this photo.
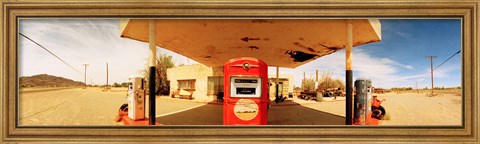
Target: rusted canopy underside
(283, 43)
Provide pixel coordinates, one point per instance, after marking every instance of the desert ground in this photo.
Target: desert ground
(92, 107)
(409, 109)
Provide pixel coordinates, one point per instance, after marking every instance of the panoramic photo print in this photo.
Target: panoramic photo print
(119, 72)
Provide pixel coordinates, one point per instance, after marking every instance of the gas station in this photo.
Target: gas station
(245, 48)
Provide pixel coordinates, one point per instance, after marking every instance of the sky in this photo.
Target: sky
(398, 60)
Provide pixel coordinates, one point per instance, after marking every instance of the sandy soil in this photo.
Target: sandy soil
(80, 106)
(69, 107)
(92, 107)
(409, 109)
(412, 109)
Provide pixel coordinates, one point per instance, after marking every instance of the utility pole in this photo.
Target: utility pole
(303, 82)
(85, 77)
(416, 85)
(431, 68)
(107, 76)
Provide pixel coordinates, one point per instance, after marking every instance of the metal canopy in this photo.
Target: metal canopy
(282, 43)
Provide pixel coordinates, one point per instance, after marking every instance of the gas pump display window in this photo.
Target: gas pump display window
(245, 87)
(246, 91)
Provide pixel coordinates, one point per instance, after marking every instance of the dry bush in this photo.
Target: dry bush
(308, 84)
(325, 82)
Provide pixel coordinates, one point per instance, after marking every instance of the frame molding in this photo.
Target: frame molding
(467, 10)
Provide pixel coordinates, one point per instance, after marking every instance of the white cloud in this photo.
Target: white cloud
(404, 35)
(409, 67)
(387, 60)
(98, 42)
(445, 71)
(383, 72)
(78, 42)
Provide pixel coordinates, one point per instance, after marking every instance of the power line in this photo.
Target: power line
(51, 53)
(447, 59)
(425, 78)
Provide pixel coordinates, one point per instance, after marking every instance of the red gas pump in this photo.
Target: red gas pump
(246, 99)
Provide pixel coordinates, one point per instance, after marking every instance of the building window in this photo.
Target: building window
(187, 84)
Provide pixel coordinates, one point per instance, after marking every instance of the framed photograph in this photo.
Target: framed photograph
(360, 71)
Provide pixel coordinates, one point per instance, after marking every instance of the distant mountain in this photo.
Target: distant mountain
(44, 80)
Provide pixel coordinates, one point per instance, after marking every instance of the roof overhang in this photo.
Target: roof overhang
(282, 42)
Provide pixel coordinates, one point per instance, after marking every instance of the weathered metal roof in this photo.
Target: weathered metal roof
(283, 43)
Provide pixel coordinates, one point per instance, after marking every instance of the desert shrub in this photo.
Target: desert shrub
(308, 84)
(164, 62)
(327, 82)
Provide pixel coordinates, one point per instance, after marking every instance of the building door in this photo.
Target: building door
(271, 89)
(280, 89)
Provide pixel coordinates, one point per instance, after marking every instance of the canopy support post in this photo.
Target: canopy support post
(152, 68)
(348, 74)
(276, 85)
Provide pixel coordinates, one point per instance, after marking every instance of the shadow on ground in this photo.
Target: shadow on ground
(209, 114)
(212, 114)
(299, 115)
